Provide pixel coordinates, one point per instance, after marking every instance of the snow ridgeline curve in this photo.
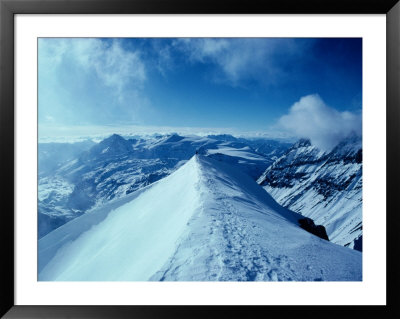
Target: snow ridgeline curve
(206, 221)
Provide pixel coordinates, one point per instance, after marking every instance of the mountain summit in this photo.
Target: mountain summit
(205, 222)
(113, 145)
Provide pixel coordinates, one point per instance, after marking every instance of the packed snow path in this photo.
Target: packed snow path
(204, 222)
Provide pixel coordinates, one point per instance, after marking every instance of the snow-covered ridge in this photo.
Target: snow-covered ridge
(206, 221)
(81, 177)
(325, 186)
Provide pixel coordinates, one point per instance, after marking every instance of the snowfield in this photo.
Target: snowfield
(205, 222)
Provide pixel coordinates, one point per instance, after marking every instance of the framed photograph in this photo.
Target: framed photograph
(173, 158)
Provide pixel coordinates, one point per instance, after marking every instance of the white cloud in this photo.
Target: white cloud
(239, 59)
(114, 66)
(91, 80)
(311, 118)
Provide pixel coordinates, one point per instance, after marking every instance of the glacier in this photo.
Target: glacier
(207, 221)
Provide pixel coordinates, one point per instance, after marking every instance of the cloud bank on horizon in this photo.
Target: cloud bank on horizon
(311, 118)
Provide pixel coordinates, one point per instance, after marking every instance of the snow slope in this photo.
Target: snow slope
(206, 221)
(241, 156)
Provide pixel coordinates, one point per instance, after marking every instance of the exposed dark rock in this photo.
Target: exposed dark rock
(359, 157)
(358, 244)
(318, 230)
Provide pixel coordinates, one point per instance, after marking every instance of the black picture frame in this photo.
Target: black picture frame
(8, 8)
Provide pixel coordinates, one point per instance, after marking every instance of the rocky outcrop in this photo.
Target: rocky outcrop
(317, 230)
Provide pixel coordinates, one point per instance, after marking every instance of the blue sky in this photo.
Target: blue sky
(237, 84)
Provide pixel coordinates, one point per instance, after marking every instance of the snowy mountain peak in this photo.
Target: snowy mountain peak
(223, 137)
(303, 142)
(326, 186)
(111, 146)
(114, 141)
(173, 138)
(114, 137)
(350, 147)
(206, 221)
